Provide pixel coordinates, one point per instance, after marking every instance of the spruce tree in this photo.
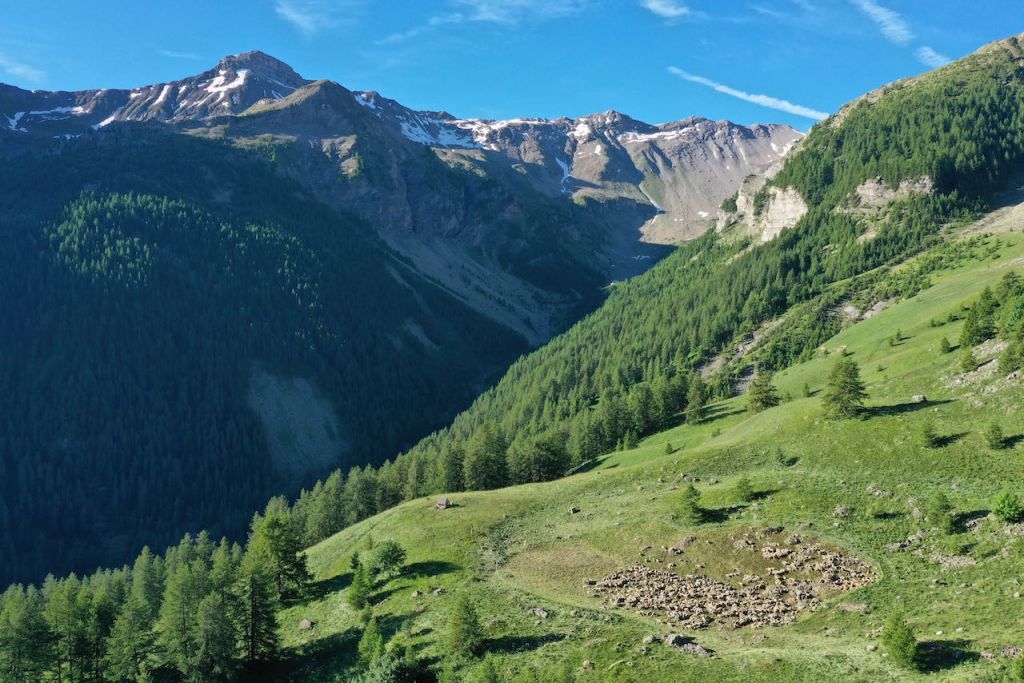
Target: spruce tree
(762, 393)
(465, 635)
(216, 657)
(940, 512)
(844, 393)
(279, 543)
(899, 641)
(696, 398)
(371, 645)
(258, 602)
(745, 490)
(994, 437)
(485, 465)
(186, 587)
(689, 510)
(130, 646)
(358, 595)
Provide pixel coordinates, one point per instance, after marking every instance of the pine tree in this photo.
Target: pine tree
(465, 635)
(1008, 508)
(216, 639)
(899, 641)
(696, 399)
(994, 437)
(258, 601)
(762, 394)
(940, 512)
(689, 510)
(844, 393)
(359, 592)
(451, 466)
(26, 649)
(279, 543)
(371, 645)
(968, 363)
(944, 346)
(929, 437)
(745, 490)
(130, 655)
(186, 587)
(485, 465)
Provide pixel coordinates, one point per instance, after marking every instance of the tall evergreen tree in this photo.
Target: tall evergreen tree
(258, 602)
(762, 393)
(186, 587)
(844, 393)
(275, 538)
(130, 647)
(465, 635)
(696, 399)
(485, 465)
(217, 639)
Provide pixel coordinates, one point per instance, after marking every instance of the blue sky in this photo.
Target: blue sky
(787, 61)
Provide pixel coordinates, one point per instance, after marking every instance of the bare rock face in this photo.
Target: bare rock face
(783, 209)
(876, 192)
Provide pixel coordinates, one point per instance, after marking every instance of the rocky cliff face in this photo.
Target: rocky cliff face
(524, 219)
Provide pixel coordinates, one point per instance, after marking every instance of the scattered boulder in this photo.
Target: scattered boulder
(574, 510)
(306, 625)
(842, 511)
(919, 398)
(443, 503)
(538, 612)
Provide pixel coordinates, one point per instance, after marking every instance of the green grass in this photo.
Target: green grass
(519, 548)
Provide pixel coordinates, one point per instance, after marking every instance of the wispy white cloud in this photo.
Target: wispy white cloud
(174, 54)
(310, 17)
(762, 100)
(508, 12)
(892, 25)
(513, 11)
(669, 9)
(930, 57)
(17, 69)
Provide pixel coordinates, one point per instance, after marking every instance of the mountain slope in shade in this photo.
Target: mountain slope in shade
(522, 219)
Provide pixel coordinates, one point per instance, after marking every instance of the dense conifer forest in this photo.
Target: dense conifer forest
(136, 308)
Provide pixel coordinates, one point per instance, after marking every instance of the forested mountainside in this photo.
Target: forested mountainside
(695, 326)
(185, 333)
(224, 286)
(814, 527)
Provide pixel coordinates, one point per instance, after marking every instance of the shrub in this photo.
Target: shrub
(968, 363)
(944, 346)
(994, 437)
(1008, 508)
(386, 560)
(899, 641)
(744, 490)
(929, 437)
(940, 512)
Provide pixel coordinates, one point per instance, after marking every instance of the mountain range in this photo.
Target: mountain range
(521, 218)
(252, 272)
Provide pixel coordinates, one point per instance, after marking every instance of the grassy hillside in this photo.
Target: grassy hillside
(519, 548)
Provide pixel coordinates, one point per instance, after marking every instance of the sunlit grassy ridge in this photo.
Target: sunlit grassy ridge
(518, 548)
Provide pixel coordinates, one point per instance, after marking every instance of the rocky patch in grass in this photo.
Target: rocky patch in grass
(806, 574)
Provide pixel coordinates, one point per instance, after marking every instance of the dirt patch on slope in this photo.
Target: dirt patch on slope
(302, 431)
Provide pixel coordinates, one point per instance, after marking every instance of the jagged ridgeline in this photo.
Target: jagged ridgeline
(171, 308)
(962, 126)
